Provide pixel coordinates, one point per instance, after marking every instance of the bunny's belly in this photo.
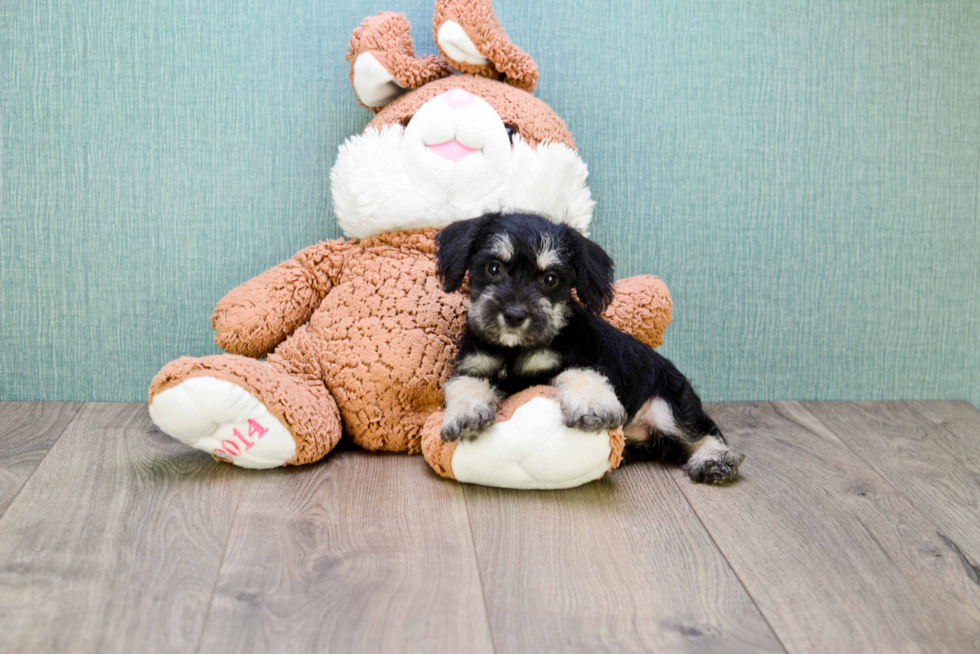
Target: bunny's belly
(387, 335)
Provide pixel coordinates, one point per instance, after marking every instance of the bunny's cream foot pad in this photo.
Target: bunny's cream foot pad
(528, 447)
(220, 418)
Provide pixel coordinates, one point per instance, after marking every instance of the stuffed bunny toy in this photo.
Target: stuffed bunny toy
(357, 334)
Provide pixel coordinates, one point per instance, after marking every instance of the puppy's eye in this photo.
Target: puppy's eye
(550, 280)
(511, 133)
(493, 269)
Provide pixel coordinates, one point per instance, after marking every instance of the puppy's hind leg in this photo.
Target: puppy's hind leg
(684, 435)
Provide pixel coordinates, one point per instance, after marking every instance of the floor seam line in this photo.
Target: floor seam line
(731, 567)
(479, 574)
(217, 578)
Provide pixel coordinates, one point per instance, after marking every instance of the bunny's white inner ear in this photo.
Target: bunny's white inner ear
(454, 40)
(373, 84)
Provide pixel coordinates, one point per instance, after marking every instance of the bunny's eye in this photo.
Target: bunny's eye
(511, 133)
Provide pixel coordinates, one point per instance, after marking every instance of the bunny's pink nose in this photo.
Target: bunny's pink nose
(458, 98)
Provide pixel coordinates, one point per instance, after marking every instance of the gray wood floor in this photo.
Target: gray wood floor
(855, 528)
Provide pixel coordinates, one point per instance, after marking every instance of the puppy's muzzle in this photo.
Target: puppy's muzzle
(514, 316)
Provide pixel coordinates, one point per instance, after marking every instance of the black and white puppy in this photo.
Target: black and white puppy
(524, 327)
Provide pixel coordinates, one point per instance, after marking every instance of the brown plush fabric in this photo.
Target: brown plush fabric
(388, 37)
(439, 454)
(379, 339)
(388, 338)
(477, 18)
(532, 118)
(617, 439)
(256, 316)
(641, 307)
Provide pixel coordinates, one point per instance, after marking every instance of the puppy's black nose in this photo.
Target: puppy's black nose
(514, 316)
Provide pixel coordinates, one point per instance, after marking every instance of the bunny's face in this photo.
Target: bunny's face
(456, 146)
(457, 137)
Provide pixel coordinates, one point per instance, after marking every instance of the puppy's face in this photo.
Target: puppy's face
(522, 269)
(520, 288)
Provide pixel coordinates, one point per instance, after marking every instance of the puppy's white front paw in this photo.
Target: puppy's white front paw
(471, 406)
(468, 424)
(588, 401)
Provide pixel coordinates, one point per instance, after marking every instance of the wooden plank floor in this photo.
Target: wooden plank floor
(855, 528)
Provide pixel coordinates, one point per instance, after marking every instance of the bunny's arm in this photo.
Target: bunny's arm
(255, 317)
(641, 308)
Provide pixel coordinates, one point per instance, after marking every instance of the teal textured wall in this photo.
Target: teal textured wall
(804, 175)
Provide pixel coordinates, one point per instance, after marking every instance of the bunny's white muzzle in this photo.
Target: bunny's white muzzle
(453, 161)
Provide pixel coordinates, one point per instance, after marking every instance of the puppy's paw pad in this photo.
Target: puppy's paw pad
(468, 425)
(719, 468)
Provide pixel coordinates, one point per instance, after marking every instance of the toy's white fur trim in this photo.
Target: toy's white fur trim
(373, 193)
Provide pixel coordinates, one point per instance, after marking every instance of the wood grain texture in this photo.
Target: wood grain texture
(364, 552)
(930, 453)
(832, 554)
(27, 431)
(852, 530)
(618, 565)
(115, 542)
(947, 411)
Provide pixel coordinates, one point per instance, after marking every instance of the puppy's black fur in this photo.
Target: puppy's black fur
(525, 327)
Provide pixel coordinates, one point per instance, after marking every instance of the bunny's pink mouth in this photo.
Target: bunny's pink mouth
(452, 150)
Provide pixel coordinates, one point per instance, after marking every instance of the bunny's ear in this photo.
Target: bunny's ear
(382, 60)
(472, 40)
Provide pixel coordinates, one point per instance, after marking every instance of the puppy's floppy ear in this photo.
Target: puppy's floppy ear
(454, 249)
(593, 273)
